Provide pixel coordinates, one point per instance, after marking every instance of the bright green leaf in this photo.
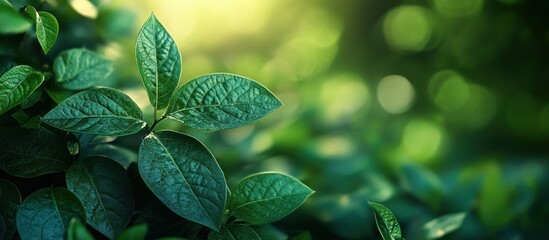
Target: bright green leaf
(16, 85)
(137, 232)
(78, 231)
(10, 199)
(267, 197)
(158, 61)
(442, 225)
(32, 152)
(386, 222)
(11, 21)
(79, 68)
(242, 231)
(184, 175)
(104, 188)
(46, 214)
(221, 101)
(101, 111)
(47, 27)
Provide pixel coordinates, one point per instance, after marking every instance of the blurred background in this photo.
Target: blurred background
(428, 107)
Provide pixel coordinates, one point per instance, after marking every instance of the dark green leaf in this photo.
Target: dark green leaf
(423, 184)
(78, 231)
(11, 21)
(46, 214)
(221, 101)
(184, 175)
(302, 236)
(137, 232)
(267, 197)
(105, 190)
(16, 85)
(247, 232)
(32, 99)
(386, 222)
(58, 95)
(158, 61)
(163, 222)
(121, 155)
(47, 27)
(79, 68)
(33, 123)
(10, 199)
(101, 111)
(32, 152)
(3, 228)
(442, 225)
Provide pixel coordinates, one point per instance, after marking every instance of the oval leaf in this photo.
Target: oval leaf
(78, 231)
(442, 225)
(10, 199)
(267, 197)
(221, 101)
(386, 222)
(137, 232)
(184, 175)
(101, 111)
(158, 61)
(16, 85)
(32, 152)
(105, 190)
(11, 21)
(78, 69)
(46, 214)
(47, 27)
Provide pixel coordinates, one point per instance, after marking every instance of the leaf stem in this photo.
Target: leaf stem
(156, 121)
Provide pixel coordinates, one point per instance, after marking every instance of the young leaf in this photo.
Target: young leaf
(11, 21)
(16, 85)
(242, 231)
(78, 231)
(79, 68)
(29, 153)
(101, 111)
(46, 214)
(184, 175)
(105, 190)
(442, 225)
(386, 222)
(47, 27)
(158, 61)
(221, 101)
(137, 232)
(267, 197)
(10, 199)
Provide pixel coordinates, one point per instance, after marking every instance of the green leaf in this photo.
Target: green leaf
(442, 225)
(78, 231)
(242, 231)
(386, 222)
(32, 99)
(11, 21)
(163, 222)
(10, 199)
(184, 175)
(137, 232)
(267, 197)
(104, 188)
(46, 214)
(16, 85)
(79, 68)
(58, 95)
(158, 61)
(29, 153)
(221, 101)
(47, 27)
(101, 111)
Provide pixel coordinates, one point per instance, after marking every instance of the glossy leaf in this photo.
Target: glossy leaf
(267, 197)
(46, 214)
(10, 199)
(11, 21)
(241, 231)
(47, 27)
(101, 111)
(32, 152)
(386, 222)
(442, 225)
(158, 61)
(78, 231)
(104, 188)
(16, 85)
(137, 232)
(79, 68)
(221, 101)
(184, 175)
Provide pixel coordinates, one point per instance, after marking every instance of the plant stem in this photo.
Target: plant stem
(156, 121)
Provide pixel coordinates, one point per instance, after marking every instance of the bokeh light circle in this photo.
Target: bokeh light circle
(395, 94)
(408, 28)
